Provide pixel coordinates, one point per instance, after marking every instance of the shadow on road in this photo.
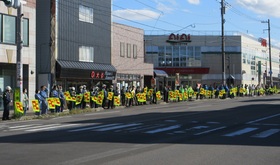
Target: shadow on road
(233, 118)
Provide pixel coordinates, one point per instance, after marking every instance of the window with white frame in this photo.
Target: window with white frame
(9, 29)
(134, 51)
(122, 49)
(25, 33)
(85, 14)
(128, 50)
(86, 54)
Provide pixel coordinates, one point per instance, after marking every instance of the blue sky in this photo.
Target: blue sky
(200, 16)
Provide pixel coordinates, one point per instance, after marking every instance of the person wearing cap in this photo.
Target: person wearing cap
(104, 102)
(6, 100)
(111, 102)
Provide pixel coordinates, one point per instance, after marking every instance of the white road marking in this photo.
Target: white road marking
(163, 129)
(118, 127)
(266, 133)
(95, 127)
(208, 131)
(103, 113)
(147, 127)
(268, 117)
(23, 126)
(200, 127)
(240, 132)
(33, 127)
(51, 128)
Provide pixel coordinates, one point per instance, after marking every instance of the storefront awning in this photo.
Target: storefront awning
(160, 73)
(84, 70)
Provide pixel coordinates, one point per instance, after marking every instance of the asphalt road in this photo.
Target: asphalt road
(231, 131)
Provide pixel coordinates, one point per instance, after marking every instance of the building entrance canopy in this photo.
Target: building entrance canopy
(160, 73)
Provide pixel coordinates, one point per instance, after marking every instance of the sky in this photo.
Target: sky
(199, 17)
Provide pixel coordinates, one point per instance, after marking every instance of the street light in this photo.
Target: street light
(269, 49)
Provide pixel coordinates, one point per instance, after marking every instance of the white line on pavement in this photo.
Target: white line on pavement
(51, 128)
(118, 127)
(268, 117)
(103, 113)
(32, 127)
(208, 131)
(266, 133)
(95, 127)
(163, 129)
(240, 132)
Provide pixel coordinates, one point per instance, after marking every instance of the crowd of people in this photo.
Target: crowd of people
(101, 96)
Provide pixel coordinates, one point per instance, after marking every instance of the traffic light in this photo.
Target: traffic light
(12, 3)
(9, 3)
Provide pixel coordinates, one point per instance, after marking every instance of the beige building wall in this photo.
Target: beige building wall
(129, 65)
(8, 52)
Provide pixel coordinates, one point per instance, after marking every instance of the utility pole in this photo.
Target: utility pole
(269, 52)
(19, 49)
(223, 42)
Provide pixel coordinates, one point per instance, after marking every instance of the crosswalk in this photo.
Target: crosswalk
(170, 128)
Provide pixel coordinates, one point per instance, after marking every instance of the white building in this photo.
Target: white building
(199, 60)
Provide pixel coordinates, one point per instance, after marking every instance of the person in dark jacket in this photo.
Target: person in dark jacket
(6, 100)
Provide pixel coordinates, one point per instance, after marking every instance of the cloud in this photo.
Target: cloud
(166, 6)
(194, 2)
(264, 7)
(136, 15)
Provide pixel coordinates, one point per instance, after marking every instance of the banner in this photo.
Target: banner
(51, 103)
(18, 107)
(110, 95)
(99, 99)
(79, 99)
(67, 96)
(128, 95)
(158, 95)
(117, 101)
(35, 105)
(87, 97)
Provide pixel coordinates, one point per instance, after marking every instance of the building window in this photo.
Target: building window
(86, 54)
(85, 14)
(135, 51)
(1, 27)
(9, 29)
(128, 50)
(122, 49)
(25, 34)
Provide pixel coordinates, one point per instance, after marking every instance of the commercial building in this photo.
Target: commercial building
(197, 59)
(128, 57)
(74, 43)
(8, 48)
